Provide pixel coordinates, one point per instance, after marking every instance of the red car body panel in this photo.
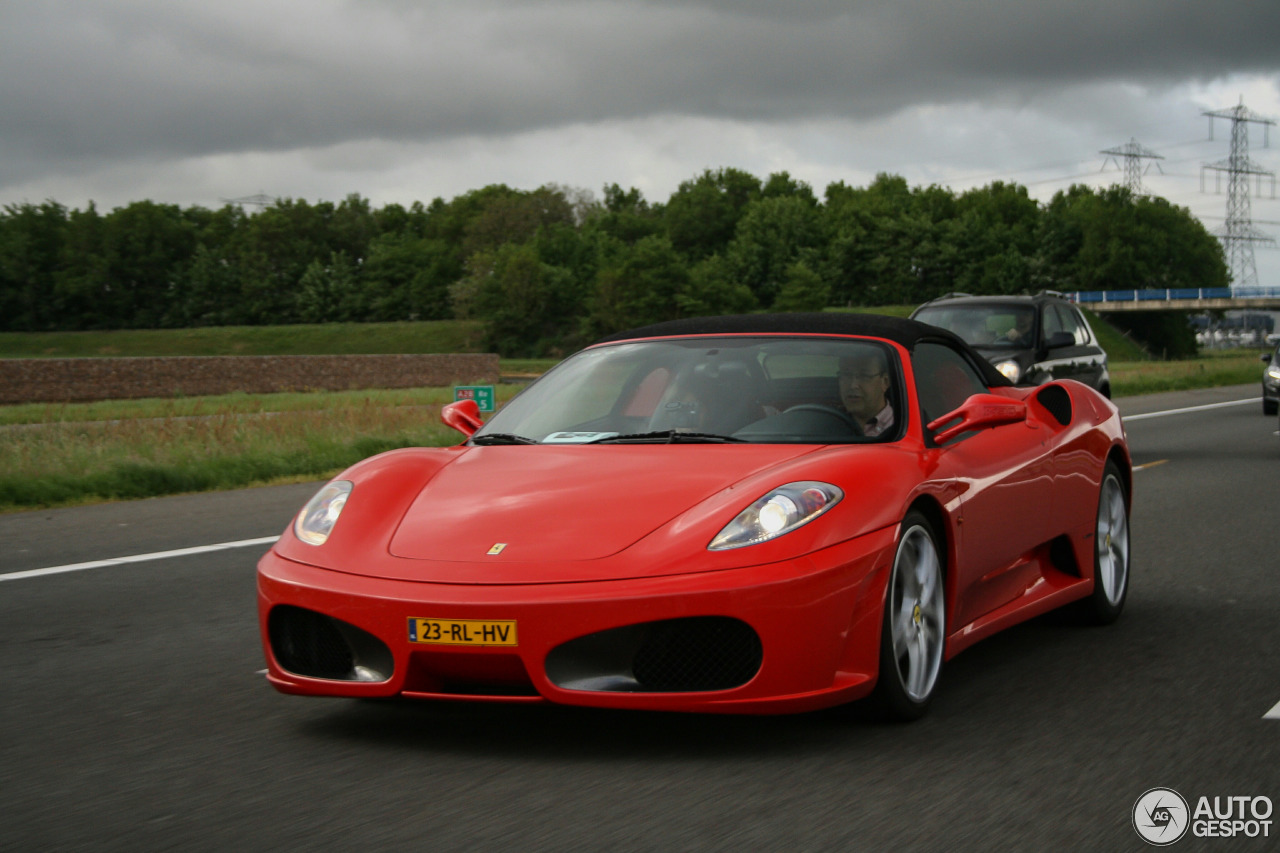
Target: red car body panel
(595, 538)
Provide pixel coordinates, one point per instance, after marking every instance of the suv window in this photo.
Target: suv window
(995, 326)
(1075, 324)
(1053, 321)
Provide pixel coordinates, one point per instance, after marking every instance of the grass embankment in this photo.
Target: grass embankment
(319, 339)
(66, 454)
(61, 455)
(1210, 370)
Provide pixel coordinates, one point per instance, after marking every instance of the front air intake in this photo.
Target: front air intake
(313, 645)
(707, 653)
(672, 656)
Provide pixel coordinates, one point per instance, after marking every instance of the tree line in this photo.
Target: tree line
(550, 269)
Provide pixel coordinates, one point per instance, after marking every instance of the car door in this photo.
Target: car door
(1007, 502)
(1081, 358)
(1092, 356)
(1056, 362)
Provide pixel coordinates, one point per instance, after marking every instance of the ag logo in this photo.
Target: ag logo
(1161, 816)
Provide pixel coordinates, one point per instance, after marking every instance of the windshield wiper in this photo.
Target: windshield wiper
(668, 436)
(502, 438)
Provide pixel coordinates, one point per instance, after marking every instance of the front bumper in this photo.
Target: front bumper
(816, 619)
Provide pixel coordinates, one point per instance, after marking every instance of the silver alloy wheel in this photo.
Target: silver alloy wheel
(1112, 541)
(918, 615)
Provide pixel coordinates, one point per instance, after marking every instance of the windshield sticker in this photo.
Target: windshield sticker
(576, 437)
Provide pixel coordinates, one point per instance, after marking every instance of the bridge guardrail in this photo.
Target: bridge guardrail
(1168, 294)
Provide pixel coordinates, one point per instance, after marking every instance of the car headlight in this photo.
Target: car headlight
(1274, 372)
(778, 512)
(1011, 370)
(315, 522)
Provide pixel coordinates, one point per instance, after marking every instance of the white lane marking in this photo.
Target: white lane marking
(1128, 418)
(136, 558)
(1273, 714)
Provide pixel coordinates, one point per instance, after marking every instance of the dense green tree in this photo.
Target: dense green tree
(782, 184)
(625, 215)
(147, 245)
(548, 269)
(328, 292)
(771, 236)
(874, 234)
(407, 277)
(712, 289)
(703, 213)
(802, 290)
(32, 239)
(637, 285)
(525, 303)
(81, 281)
(512, 216)
(995, 235)
(349, 227)
(1107, 240)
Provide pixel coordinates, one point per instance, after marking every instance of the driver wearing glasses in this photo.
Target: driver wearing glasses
(864, 390)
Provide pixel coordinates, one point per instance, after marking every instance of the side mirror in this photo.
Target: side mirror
(464, 416)
(1266, 358)
(980, 410)
(1058, 340)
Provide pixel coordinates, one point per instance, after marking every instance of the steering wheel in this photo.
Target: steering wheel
(843, 417)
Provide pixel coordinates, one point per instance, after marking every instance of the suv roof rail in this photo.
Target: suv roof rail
(1056, 293)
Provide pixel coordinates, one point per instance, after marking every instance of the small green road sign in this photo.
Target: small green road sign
(482, 394)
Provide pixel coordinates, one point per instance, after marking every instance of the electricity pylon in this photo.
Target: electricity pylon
(1133, 155)
(261, 200)
(1238, 235)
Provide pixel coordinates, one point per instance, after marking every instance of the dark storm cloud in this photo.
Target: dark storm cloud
(89, 82)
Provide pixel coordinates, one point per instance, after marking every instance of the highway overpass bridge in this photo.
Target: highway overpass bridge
(1179, 299)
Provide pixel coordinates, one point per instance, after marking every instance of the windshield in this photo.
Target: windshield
(986, 326)
(761, 390)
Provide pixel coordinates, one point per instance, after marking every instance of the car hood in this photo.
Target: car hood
(546, 503)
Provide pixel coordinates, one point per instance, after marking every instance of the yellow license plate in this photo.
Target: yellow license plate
(463, 632)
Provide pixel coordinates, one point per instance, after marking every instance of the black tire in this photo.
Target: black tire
(1111, 557)
(913, 630)
(1269, 406)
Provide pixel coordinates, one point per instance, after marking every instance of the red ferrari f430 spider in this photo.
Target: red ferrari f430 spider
(756, 514)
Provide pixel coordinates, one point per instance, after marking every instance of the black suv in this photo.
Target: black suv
(1030, 339)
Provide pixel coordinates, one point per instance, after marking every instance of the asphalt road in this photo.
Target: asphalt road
(133, 715)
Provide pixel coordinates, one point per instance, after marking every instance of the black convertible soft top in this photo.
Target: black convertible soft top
(899, 330)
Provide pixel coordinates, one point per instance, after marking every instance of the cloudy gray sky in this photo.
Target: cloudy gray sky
(401, 100)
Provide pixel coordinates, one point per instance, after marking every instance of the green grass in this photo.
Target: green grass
(180, 407)
(1209, 370)
(74, 453)
(77, 461)
(1118, 346)
(321, 339)
(882, 310)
